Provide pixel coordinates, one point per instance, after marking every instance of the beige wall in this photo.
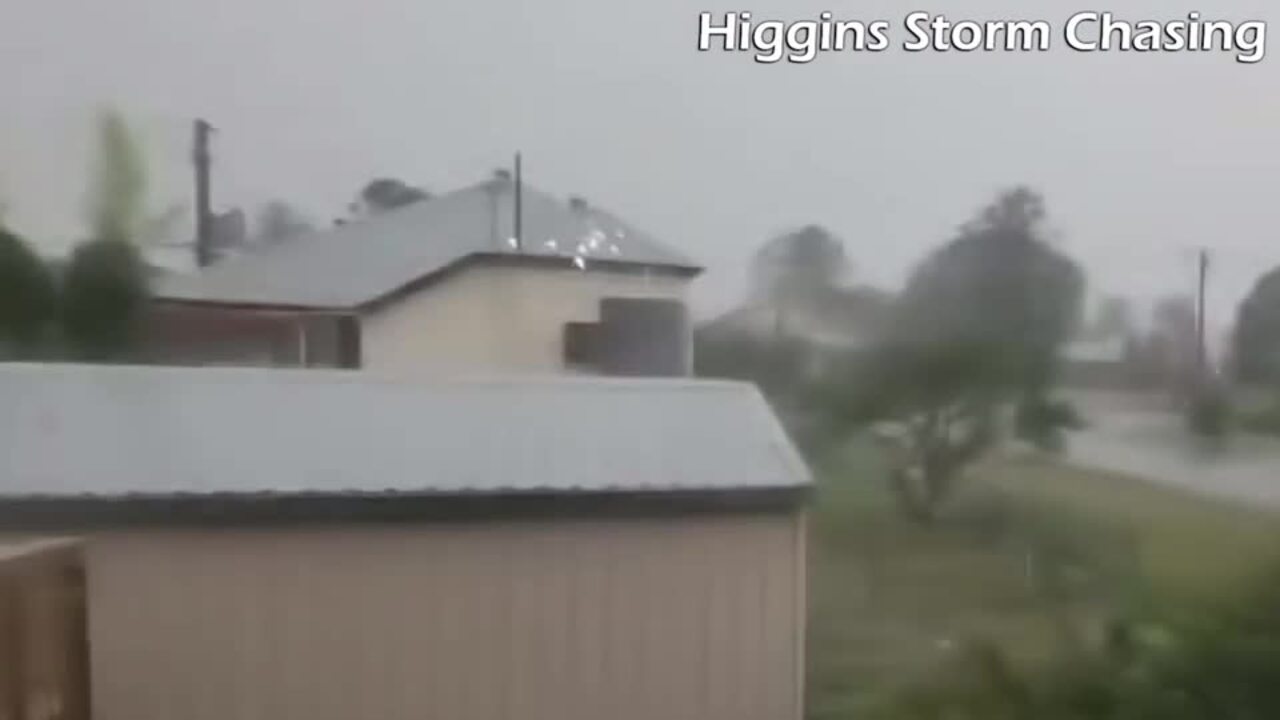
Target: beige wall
(496, 319)
(700, 619)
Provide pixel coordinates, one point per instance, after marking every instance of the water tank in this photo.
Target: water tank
(643, 337)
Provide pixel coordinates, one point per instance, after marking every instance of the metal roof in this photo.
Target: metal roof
(153, 432)
(15, 551)
(1105, 350)
(366, 259)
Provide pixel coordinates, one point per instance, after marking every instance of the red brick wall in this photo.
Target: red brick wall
(197, 335)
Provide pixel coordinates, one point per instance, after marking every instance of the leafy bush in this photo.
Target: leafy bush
(1043, 422)
(1223, 663)
(103, 298)
(1265, 420)
(27, 295)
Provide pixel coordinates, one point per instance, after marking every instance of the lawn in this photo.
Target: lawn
(1031, 557)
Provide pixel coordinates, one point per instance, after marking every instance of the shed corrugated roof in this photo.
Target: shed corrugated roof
(117, 432)
(18, 550)
(366, 259)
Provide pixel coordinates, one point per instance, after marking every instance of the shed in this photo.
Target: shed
(43, 651)
(323, 545)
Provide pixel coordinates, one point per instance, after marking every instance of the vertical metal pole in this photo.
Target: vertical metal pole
(518, 222)
(204, 213)
(1201, 351)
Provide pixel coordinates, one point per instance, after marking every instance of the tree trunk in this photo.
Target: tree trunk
(919, 493)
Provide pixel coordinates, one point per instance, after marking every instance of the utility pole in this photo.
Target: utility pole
(204, 213)
(1202, 360)
(518, 221)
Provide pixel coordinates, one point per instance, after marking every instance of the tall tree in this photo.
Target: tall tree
(1257, 334)
(27, 296)
(103, 300)
(278, 221)
(797, 265)
(119, 182)
(978, 325)
(382, 194)
(104, 288)
(1002, 285)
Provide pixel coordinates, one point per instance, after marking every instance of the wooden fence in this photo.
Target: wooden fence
(43, 632)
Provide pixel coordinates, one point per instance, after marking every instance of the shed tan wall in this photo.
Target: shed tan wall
(489, 319)
(696, 618)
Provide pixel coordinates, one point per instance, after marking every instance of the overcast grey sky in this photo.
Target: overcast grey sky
(1141, 157)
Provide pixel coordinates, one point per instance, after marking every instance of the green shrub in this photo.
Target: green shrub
(1043, 422)
(1264, 421)
(104, 294)
(1222, 663)
(27, 296)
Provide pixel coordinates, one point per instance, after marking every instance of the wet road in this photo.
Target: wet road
(1146, 440)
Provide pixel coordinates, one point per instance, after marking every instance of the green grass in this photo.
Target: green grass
(1188, 547)
(1031, 556)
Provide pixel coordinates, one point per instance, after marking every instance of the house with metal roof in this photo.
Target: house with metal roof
(449, 285)
(1099, 362)
(327, 544)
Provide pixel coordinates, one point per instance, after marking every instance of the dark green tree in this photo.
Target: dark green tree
(28, 297)
(977, 327)
(799, 265)
(1000, 284)
(104, 286)
(104, 297)
(382, 194)
(1257, 334)
(939, 401)
(119, 181)
(792, 276)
